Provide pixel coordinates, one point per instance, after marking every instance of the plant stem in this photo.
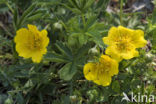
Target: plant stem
(121, 11)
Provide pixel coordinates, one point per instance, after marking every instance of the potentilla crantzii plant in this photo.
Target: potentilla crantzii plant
(77, 52)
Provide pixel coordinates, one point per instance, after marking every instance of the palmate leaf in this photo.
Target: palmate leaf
(68, 71)
(65, 56)
(77, 38)
(84, 49)
(64, 49)
(96, 37)
(71, 60)
(91, 21)
(79, 6)
(54, 57)
(27, 13)
(101, 27)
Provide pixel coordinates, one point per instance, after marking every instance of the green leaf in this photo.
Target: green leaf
(75, 10)
(102, 4)
(54, 57)
(88, 4)
(35, 17)
(68, 71)
(20, 98)
(64, 49)
(74, 4)
(72, 40)
(96, 37)
(84, 49)
(91, 21)
(82, 39)
(8, 101)
(116, 86)
(26, 14)
(48, 3)
(101, 27)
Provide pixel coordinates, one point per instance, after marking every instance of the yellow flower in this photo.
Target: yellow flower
(31, 43)
(101, 72)
(122, 42)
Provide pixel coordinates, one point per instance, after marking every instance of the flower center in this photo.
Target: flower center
(124, 44)
(34, 42)
(104, 67)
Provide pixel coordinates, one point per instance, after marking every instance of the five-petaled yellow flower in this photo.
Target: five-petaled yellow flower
(122, 42)
(101, 72)
(31, 43)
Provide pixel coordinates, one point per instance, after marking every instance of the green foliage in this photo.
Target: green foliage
(75, 29)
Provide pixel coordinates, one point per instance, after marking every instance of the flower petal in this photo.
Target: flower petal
(138, 39)
(103, 79)
(21, 35)
(114, 68)
(32, 28)
(45, 39)
(106, 40)
(130, 54)
(113, 53)
(125, 32)
(89, 71)
(24, 51)
(37, 57)
(113, 35)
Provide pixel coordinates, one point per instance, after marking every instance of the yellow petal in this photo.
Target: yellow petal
(106, 40)
(113, 35)
(114, 68)
(44, 33)
(45, 39)
(125, 31)
(21, 35)
(113, 32)
(37, 57)
(130, 54)
(23, 51)
(138, 39)
(103, 79)
(32, 28)
(89, 72)
(113, 53)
